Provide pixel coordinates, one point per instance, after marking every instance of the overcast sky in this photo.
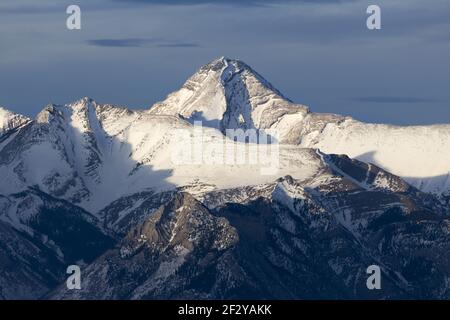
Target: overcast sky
(319, 53)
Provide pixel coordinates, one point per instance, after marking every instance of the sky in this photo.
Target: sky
(319, 53)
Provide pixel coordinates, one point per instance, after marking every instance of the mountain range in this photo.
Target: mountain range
(96, 185)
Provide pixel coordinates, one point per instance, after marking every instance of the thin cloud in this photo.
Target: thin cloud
(258, 3)
(120, 43)
(139, 43)
(179, 45)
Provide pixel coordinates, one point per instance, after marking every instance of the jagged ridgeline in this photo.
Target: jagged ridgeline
(96, 185)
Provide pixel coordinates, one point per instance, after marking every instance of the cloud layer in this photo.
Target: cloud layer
(139, 43)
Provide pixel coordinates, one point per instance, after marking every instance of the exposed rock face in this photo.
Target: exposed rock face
(170, 255)
(282, 242)
(97, 185)
(40, 236)
(228, 94)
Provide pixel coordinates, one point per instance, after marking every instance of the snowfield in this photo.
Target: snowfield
(153, 206)
(92, 154)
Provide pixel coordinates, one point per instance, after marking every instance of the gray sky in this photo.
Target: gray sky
(318, 53)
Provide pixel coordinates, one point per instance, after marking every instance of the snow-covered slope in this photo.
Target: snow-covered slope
(92, 154)
(10, 120)
(289, 239)
(419, 154)
(10, 123)
(228, 94)
(83, 152)
(83, 175)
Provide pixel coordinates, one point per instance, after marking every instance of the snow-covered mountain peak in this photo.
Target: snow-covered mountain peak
(63, 110)
(92, 143)
(228, 94)
(4, 112)
(82, 103)
(227, 68)
(233, 67)
(83, 113)
(10, 120)
(48, 113)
